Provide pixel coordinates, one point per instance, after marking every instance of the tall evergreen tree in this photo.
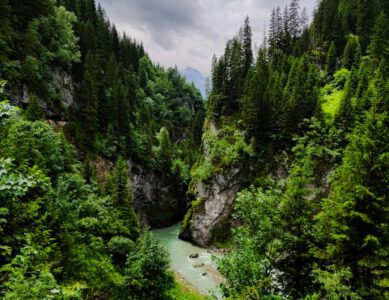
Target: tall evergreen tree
(89, 105)
(331, 60)
(353, 224)
(119, 187)
(379, 45)
(247, 47)
(294, 18)
(352, 52)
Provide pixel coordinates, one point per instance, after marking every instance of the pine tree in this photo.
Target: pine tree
(331, 60)
(379, 45)
(273, 27)
(122, 115)
(352, 52)
(352, 227)
(294, 18)
(345, 114)
(367, 12)
(247, 47)
(34, 110)
(285, 41)
(304, 20)
(119, 187)
(164, 149)
(256, 111)
(89, 105)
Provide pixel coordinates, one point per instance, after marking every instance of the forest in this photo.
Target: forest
(284, 165)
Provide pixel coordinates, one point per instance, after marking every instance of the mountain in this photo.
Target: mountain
(195, 76)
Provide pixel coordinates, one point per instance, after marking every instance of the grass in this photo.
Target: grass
(331, 103)
(183, 291)
(226, 244)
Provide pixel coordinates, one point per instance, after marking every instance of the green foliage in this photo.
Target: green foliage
(182, 292)
(317, 230)
(352, 53)
(60, 238)
(30, 277)
(119, 187)
(333, 94)
(34, 111)
(61, 50)
(352, 224)
(6, 112)
(148, 260)
(331, 60)
(35, 143)
(256, 240)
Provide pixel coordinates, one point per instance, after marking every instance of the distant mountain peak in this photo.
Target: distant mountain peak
(193, 75)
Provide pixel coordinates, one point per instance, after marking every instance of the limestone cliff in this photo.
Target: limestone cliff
(157, 200)
(61, 83)
(208, 217)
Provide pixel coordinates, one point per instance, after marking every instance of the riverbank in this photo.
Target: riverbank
(194, 265)
(185, 290)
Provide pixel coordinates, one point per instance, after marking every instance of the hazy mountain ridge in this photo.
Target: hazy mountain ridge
(196, 77)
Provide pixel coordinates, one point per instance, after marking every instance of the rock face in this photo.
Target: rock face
(157, 200)
(208, 219)
(61, 83)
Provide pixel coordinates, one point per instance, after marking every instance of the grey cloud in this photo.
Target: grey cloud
(188, 32)
(163, 19)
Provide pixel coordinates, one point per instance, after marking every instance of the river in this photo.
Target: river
(200, 272)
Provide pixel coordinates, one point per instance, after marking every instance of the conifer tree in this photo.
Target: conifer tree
(345, 114)
(119, 187)
(34, 110)
(379, 45)
(164, 148)
(272, 26)
(352, 52)
(89, 106)
(294, 18)
(256, 110)
(367, 12)
(331, 60)
(353, 224)
(247, 47)
(285, 42)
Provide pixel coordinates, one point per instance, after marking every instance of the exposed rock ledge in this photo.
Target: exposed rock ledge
(208, 219)
(157, 200)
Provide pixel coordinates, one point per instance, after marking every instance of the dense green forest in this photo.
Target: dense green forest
(301, 124)
(65, 232)
(314, 106)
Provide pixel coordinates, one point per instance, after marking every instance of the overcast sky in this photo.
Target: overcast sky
(188, 32)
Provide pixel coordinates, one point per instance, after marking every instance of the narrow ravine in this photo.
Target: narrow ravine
(201, 271)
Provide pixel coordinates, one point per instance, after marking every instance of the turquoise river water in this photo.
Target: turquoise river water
(200, 272)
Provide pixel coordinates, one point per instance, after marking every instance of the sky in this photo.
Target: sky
(187, 33)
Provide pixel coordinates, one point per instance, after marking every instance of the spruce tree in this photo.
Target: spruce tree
(352, 52)
(352, 227)
(247, 47)
(89, 100)
(294, 18)
(34, 110)
(331, 60)
(119, 187)
(367, 13)
(379, 45)
(256, 110)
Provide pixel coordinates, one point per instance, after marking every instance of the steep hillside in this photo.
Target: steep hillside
(72, 66)
(302, 134)
(100, 144)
